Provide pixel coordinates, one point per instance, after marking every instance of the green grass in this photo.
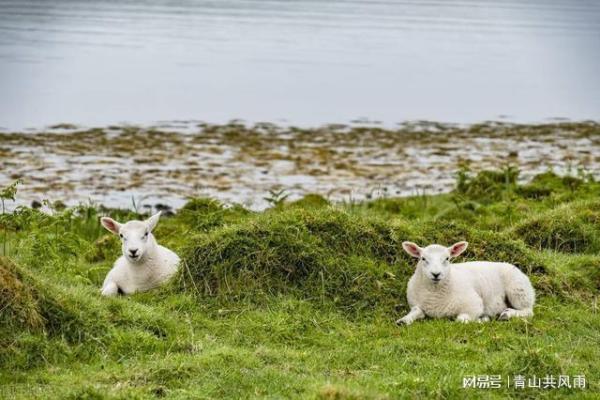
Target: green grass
(299, 301)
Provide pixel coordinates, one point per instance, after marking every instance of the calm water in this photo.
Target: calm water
(303, 62)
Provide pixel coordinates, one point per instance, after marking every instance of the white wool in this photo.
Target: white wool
(144, 264)
(465, 291)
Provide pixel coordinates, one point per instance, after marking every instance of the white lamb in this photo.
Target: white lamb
(144, 264)
(467, 291)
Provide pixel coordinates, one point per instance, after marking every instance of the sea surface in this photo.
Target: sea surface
(297, 62)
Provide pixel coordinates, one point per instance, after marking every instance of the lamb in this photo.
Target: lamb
(144, 264)
(467, 291)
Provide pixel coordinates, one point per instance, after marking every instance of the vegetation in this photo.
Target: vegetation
(300, 300)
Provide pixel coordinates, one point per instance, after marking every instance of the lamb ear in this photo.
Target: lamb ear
(111, 225)
(457, 249)
(153, 221)
(412, 249)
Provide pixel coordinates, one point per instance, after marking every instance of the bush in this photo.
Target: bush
(486, 186)
(548, 183)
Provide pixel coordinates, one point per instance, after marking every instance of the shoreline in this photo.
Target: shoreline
(238, 163)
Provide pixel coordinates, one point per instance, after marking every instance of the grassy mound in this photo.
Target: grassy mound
(569, 276)
(323, 253)
(203, 214)
(18, 301)
(571, 228)
(35, 312)
(311, 201)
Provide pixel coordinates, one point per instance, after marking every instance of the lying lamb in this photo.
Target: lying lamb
(468, 291)
(144, 264)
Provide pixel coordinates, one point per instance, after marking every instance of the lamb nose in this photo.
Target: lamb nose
(133, 252)
(435, 274)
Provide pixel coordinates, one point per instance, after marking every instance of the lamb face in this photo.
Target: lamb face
(136, 236)
(434, 260)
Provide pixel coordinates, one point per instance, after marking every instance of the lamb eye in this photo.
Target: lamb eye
(121, 235)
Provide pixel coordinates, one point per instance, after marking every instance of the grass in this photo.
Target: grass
(299, 301)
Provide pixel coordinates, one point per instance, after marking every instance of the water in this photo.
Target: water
(297, 62)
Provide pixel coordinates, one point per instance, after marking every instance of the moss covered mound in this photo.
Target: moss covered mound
(570, 228)
(317, 253)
